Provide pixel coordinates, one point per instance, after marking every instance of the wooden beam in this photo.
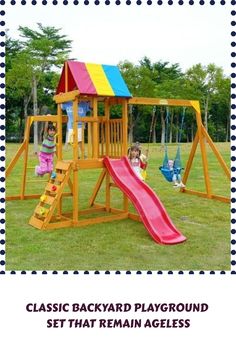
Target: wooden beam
(217, 153)
(159, 102)
(48, 118)
(134, 217)
(15, 158)
(204, 195)
(102, 219)
(89, 164)
(97, 187)
(66, 97)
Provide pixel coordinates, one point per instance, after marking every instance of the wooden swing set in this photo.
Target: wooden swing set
(106, 136)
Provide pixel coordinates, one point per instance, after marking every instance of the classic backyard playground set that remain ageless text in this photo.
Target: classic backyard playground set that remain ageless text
(107, 145)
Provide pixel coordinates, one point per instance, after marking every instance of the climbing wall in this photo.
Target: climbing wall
(51, 198)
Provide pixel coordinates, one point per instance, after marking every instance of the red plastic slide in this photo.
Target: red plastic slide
(146, 202)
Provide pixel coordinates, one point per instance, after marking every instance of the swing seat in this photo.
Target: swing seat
(168, 174)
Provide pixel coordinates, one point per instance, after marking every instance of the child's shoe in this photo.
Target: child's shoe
(182, 185)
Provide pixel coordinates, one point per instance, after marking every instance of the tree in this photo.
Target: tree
(41, 52)
(203, 80)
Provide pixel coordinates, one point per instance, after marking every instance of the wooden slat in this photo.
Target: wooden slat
(63, 165)
(48, 199)
(38, 211)
(49, 187)
(59, 177)
(36, 222)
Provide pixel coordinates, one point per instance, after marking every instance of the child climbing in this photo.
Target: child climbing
(47, 151)
(176, 177)
(137, 164)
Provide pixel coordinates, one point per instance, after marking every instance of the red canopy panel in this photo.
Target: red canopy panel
(78, 79)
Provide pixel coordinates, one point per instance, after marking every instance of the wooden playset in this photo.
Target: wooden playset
(106, 136)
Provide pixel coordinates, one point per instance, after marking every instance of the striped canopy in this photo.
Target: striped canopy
(93, 79)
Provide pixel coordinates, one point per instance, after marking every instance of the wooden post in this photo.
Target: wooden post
(90, 139)
(204, 154)
(125, 126)
(107, 126)
(75, 159)
(95, 128)
(59, 148)
(108, 192)
(216, 152)
(59, 132)
(66, 76)
(125, 143)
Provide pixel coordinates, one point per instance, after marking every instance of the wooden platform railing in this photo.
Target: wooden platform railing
(104, 137)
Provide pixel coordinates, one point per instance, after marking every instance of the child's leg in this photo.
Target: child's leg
(50, 163)
(42, 168)
(174, 178)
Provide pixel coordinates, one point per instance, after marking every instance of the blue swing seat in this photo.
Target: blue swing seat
(168, 174)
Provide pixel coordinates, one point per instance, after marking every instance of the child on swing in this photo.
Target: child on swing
(176, 178)
(47, 151)
(136, 163)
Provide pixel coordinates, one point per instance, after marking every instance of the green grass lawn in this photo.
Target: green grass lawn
(124, 245)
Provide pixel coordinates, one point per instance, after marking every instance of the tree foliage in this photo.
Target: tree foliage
(32, 74)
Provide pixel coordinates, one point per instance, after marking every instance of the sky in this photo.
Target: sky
(109, 34)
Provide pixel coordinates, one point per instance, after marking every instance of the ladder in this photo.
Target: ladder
(51, 198)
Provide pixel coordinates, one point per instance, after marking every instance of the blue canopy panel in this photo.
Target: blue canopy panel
(116, 81)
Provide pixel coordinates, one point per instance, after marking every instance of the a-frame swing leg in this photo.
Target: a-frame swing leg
(190, 160)
(26, 138)
(15, 159)
(216, 152)
(199, 138)
(202, 142)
